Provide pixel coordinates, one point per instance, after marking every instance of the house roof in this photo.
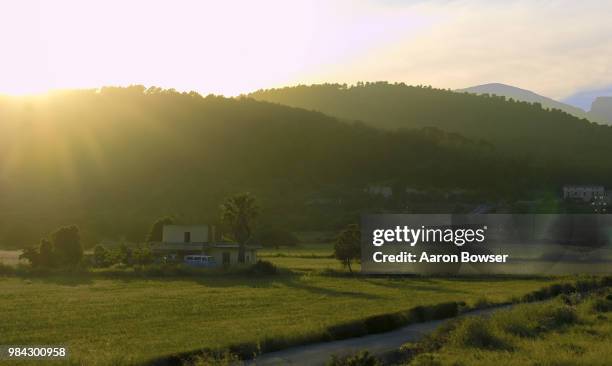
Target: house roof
(198, 246)
(586, 186)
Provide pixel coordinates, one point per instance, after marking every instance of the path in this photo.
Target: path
(376, 344)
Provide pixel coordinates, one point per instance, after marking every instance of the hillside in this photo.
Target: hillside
(517, 128)
(601, 109)
(113, 160)
(523, 95)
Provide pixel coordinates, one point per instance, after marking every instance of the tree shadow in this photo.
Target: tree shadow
(408, 286)
(287, 278)
(58, 279)
(331, 292)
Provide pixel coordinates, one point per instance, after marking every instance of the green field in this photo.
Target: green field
(123, 320)
(572, 330)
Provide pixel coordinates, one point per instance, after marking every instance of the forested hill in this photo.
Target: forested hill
(115, 159)
(519, 128)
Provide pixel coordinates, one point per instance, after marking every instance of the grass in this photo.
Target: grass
(311, 250)
(129, 319)
(103, 320)
(569, 330)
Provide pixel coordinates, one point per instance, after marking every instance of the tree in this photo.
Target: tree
(67, 246)
(46, 253)
(238, 214)
(157, 229)
(32, 255)
(348, 246)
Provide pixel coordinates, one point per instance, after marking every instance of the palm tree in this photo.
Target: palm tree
(238, 214)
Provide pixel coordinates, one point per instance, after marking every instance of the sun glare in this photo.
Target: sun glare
(226, 48)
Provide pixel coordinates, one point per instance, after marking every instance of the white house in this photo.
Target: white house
(585, 193)
(187, 234)
(179, 241)
(380, 190)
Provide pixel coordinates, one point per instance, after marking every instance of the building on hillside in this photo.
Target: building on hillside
(593, 195)
(179, 241)
(380, 190)
(587, 193)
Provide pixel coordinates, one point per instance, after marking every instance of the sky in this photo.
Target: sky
(555, 48)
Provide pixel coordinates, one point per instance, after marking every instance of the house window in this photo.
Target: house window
(226, 258)
(187, 237)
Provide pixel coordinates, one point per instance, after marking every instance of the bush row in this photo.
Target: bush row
(501, 331)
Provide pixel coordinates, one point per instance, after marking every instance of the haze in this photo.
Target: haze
(554, 48)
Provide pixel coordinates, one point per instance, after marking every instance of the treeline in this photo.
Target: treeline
(576, 149)
(115, 159)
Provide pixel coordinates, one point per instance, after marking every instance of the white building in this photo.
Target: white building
(380, 190)
(179, 241)
(584, 193)
(187, 234)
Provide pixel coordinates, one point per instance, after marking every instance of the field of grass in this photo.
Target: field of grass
(570, 330)
(129, 319)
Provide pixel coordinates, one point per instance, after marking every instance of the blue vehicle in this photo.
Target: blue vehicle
(200, 261)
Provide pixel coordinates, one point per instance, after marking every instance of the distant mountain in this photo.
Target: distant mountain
(523, 95)
(601, 109)
(584, 99)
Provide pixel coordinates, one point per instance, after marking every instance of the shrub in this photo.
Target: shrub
(348, 330)
(142, 255)
(426, 359)
(435, 312)
(384, 322)
(433, 341)
(482, 303)
(571, 299)
(555, 316)
(530, 320)
(517, 322)
(602, 305)
(102, 258)
(223, 359)
(363, 358)
(476, 332)
(443, 310)
(123, 254)
(263, 268)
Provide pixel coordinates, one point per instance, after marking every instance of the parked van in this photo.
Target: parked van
(200, 261)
